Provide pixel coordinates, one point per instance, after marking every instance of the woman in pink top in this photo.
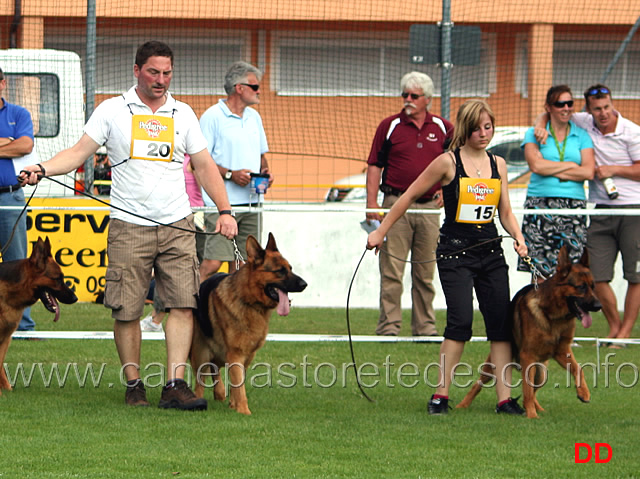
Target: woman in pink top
(193, 188)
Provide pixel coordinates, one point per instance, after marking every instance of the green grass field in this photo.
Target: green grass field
(308, 421)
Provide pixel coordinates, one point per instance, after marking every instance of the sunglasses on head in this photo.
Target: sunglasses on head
(414, 96)
(253, 87)
(595, 91)
(562, 104)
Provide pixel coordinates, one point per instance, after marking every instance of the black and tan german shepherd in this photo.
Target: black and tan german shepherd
(233, 318)
(543, 328)
(24, 282)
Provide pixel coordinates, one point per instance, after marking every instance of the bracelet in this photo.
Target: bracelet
(226, 212)
(44, 172)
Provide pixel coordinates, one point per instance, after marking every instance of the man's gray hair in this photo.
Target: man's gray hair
(238, 73)
(418, 80)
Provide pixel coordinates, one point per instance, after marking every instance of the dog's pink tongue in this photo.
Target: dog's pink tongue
(283, 303)
(57, 308)
(586, 319)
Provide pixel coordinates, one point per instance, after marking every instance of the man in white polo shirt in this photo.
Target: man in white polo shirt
(616, 142)
(238, 144)
(147, 133)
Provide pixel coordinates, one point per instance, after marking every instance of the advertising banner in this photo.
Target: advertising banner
(78, 240)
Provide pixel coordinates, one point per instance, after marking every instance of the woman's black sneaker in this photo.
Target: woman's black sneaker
(438, 406)
(510, 407)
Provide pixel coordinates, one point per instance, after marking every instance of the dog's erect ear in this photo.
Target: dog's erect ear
(255, 252)
(584, 259)
(271, 244)
(47, 246)
(563, 261)
(41, 251)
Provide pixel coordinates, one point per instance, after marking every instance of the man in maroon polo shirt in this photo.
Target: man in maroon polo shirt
(403, 146)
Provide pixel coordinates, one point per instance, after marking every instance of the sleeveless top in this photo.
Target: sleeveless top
(476, 232)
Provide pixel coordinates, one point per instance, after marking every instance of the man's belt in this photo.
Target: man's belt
(9, 189)
(388, 190)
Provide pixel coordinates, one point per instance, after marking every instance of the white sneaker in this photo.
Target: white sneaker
(147, 324)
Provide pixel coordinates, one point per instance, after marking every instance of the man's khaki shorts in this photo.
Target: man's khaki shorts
(608, 235)
(135, 251)
(219, 248)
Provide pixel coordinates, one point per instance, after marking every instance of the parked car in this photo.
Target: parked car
(506, 143)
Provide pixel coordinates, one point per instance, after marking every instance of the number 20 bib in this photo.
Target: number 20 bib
(152, 138)
(478, 200)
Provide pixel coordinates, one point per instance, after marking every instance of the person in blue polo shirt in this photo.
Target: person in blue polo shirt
(238, 145)
(16, 141)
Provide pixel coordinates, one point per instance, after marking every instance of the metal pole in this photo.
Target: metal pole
(620, 51)
(90, 87)
(445, 59)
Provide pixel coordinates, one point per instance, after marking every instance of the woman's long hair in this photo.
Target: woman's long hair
(468, 119)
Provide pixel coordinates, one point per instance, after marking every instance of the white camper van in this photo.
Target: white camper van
(48, 83)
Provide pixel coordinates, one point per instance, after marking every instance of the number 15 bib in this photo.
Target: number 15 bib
(152, 138)
(478, 200)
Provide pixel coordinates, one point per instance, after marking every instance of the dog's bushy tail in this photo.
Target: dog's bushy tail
(202, 314)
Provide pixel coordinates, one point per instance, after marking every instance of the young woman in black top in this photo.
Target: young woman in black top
(469, 254)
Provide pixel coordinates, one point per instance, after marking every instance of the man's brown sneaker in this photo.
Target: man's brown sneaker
(136, 395)
(178, 395)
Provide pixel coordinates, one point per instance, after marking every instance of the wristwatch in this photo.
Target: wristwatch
(226, 212)
(227, 175)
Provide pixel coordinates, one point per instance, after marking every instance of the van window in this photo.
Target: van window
(40, 94)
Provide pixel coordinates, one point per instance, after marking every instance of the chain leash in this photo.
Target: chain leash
(237, 254)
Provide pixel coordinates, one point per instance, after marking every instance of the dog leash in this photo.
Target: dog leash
(534, 271)
(527, 259)
(237, 254)
(89, 195)
(482, 243)
(353, 359)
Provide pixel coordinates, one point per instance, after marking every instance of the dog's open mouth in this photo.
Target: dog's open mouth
(582, 311)
(282, 297)
(51, 303)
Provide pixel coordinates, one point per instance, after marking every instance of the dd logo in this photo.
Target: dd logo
(598, 447)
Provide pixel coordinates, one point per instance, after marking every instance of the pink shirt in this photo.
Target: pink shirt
(193, 188)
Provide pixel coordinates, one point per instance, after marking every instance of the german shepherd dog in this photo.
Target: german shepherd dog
(544, 326)
(233, 318)
(24, 282)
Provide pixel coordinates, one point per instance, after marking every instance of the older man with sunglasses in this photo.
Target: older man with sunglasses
(403, 146)
(238, 145)
(616, 143)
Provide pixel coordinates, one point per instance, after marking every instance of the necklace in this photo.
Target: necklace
(474, 165)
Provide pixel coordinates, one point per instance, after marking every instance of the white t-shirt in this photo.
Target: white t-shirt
(622, 147)
(153, 189)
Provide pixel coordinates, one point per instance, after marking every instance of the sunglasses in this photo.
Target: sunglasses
(253, 87)
(595, 91)
(414, 96)
(562, 104)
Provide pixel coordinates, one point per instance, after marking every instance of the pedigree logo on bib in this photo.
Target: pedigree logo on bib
(153, 127)
(478, 200)
(152, 138)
